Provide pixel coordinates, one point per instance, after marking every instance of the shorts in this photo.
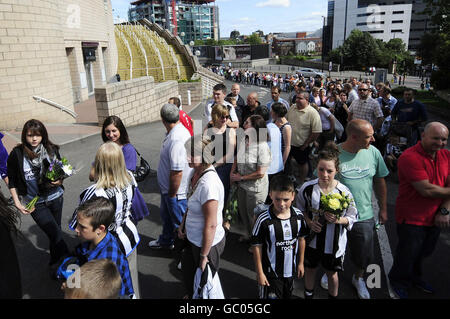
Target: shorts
(301, 157)
(361, 243)
(330, 263)
(281, 287)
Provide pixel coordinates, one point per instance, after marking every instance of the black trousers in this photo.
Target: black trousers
(190, 260)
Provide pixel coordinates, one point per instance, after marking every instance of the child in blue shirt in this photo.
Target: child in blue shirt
(93, 219)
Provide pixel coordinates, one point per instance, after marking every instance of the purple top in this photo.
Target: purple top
(3, 159)
(129, 153)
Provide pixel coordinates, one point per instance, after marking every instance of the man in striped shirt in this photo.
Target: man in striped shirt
(278, 242)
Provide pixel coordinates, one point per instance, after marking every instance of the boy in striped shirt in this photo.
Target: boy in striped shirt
(278, 242)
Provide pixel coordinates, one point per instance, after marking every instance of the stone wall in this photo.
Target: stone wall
(196, 92)
(41, 55)
(135, 101)
(33, 62)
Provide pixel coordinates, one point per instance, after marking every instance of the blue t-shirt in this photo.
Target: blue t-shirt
(410, 112)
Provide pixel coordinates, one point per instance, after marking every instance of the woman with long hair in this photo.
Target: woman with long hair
(114, 130)
(114, 182)
(27, 165)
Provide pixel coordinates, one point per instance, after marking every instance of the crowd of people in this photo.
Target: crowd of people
(279, 162)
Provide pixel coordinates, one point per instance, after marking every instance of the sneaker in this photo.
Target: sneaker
(424, 286)
(361, 288)
(154, 244)
(400, 292)
(324, 282)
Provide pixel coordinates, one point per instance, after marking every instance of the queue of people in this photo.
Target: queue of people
(266, 152)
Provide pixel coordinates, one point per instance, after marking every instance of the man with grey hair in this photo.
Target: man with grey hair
(173, 171)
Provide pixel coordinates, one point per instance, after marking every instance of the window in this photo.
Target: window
(397, 21)
(377, 31)
(397, 31)
(398, 12)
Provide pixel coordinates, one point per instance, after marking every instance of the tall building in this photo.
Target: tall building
(383, 19)
(189, 19)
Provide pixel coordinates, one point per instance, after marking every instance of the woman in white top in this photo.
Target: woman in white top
(202, 222)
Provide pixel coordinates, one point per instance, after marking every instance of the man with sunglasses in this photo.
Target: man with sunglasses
(366, 108)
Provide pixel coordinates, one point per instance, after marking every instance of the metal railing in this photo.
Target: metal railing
(61, 107)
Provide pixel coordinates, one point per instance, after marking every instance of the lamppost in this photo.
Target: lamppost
(323, 41)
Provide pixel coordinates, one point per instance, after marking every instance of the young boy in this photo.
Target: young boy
(278, 241)
(97, 279)
(93, 219)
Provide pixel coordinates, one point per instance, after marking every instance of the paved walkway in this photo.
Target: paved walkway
(86, 124)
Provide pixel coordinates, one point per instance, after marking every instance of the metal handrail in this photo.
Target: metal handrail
(61, 107)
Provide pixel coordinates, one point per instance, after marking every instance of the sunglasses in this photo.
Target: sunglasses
(226, 117)
(363, 89)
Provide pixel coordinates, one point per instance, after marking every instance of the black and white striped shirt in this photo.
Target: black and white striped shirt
(123, 227)
(279, 238)
(333, 237)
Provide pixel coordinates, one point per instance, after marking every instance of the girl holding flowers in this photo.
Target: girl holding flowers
(28, 165)
(330, 212)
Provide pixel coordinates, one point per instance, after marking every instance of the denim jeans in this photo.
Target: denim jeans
(171, 211)
(414, 244)
(47, 216)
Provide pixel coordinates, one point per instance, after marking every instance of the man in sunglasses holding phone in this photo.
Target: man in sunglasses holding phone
(366, 108)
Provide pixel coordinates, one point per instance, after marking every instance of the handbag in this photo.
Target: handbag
(142, 170)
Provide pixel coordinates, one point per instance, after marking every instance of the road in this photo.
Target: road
(158, 274)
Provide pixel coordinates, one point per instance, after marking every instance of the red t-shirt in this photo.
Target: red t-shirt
(415, 165)
(186, 121)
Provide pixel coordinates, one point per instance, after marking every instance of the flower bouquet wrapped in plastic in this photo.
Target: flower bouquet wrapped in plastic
(335, 204)
(54, 171)
(59, 169)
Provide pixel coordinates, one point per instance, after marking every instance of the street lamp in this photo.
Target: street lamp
(323, 40)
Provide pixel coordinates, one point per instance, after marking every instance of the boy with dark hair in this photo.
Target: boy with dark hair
(278, 242)
(94, 217)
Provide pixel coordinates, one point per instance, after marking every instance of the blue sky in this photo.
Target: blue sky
(247, 16)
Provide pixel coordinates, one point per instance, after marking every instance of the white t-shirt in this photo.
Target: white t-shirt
(208, 109)
(173, 158)
(324, 115)
(209, 187)
(276, 165)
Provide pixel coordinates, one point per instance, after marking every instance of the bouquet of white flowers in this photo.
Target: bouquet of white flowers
(335, 203)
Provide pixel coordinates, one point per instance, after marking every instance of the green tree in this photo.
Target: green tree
(234, 34)
(254, 39)
(435, 47)
(360, 50)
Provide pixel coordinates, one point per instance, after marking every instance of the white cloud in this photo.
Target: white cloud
(274, 3)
